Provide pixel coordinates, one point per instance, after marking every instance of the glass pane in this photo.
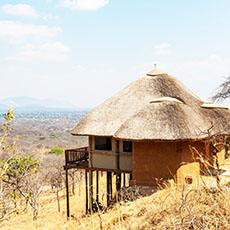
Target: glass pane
(103, 143)
(127, 146)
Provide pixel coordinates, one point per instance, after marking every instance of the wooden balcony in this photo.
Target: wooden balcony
(77, 158)
(101, 161)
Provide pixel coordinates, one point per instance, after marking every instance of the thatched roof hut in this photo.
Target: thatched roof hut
(156, 106)
(151, 128)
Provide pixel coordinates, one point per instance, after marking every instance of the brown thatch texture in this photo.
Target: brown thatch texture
(134, 113)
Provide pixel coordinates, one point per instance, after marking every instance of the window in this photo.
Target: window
(188, 179)
(127, 146)
(103, 143)
(117, 143)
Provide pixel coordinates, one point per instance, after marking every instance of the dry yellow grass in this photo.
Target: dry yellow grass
(172, 208)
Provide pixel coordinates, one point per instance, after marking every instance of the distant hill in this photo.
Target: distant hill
(30, 104)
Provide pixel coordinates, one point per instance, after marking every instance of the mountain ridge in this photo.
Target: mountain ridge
(24, 103)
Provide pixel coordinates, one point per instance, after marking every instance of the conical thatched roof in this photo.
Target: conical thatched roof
(154, 107)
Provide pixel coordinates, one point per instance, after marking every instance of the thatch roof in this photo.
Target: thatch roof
(154, 107)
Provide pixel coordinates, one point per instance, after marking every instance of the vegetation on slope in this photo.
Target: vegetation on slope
(17, 190)
(172, 208)
(57, 150)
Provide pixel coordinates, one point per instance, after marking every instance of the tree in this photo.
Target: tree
(16, 171)
(53, 174)
(16, 184)
(222, 91)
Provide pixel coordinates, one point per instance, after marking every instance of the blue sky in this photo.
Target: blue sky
(84, 51)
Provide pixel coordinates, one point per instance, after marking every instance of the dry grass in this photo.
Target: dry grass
(172, 208)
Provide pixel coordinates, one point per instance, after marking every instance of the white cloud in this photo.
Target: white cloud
(163, 49)
(55, 46)
(49, 17)
(21, 10)
(33, 42)
(18, 32)
(24, 10)
(37, 55)
(84, 4)
(49, 51)
(215, 57)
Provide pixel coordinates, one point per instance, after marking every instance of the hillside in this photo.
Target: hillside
(41, 131)
(207, 207)
(170, 208)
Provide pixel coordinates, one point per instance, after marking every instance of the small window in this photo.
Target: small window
(103, 143)
(127, 146)
(188, 180)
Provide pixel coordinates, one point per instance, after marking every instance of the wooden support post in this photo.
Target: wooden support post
(97, 187)
(117, 154)
(109, 187)
(91, 190)
(67, 192)
(86, 192)
(124, 179)
(130, 176)
(118, 185)
(118, 182)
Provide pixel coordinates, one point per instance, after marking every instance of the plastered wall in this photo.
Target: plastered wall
(162, 159)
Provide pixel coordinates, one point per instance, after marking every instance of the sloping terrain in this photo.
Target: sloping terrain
(171, 208)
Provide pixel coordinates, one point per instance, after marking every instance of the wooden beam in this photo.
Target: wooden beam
(91, 191)
(97, 187)
(86, 192)
(109, 188)
(76, 148)
(118, 182)
(130, 176)
(160, 140)
(67, 193)
(117, 146)
(96, 169)
(124, 179)
(118, 185)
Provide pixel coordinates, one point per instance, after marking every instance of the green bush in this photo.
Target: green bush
(42, 138)
(57, 150)
(54, 136)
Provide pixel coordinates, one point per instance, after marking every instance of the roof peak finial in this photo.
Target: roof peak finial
(156, 71)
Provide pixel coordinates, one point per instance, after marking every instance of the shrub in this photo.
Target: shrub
(42, 138)
(54, 136)
(57, 150)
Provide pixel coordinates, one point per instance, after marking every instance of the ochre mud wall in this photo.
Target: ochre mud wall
(153, 160)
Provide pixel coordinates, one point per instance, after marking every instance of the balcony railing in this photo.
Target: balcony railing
(77, 157)
(102, 161)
